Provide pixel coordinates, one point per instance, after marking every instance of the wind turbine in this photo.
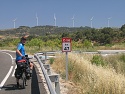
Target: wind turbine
(109, 20)
(14, 22)
(36, 19)
(73, 20)
(55, 19)
(91, 21)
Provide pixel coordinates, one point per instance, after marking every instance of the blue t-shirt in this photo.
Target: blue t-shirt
(21, 48)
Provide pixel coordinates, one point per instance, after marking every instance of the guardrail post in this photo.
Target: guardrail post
(45, 56)
(42, 60)
(57, 87)
(55, 78)
(47, 67)
(48, 71)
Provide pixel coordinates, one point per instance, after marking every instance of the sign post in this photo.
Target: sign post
(66, 47)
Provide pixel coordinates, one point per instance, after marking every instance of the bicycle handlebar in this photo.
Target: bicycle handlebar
(26, 56)
(29, 57)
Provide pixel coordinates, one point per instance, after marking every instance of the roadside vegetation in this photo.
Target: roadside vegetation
(93, 74)
(90, 74)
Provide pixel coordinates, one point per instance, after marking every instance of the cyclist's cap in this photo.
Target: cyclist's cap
(24, 37)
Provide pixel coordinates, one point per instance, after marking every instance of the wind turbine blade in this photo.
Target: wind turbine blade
(91, 18)
(36, 16)
(54, 17)
(73, 17)
(109, 18)
(15, 19)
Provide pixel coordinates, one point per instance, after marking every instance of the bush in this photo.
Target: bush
(98, 60)
(51, 60)
(122, 57)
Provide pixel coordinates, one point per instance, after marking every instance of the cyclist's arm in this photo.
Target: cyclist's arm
(19, 46)
(19, 52)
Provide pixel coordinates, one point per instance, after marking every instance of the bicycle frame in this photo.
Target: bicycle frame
(24, 74)
(24, 67)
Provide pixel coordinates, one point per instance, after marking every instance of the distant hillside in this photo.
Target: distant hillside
(102, 36)
(40, 30)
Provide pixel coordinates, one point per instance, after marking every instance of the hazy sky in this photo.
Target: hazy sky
(24, 11)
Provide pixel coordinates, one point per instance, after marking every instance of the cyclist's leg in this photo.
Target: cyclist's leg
(17, 80)
(31, 68)
(31, 65)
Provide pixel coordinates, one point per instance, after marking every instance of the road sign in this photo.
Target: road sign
(66, 44)
(66, 47)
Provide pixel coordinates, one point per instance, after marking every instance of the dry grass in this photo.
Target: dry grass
(88, 78)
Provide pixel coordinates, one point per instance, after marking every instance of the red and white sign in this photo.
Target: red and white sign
(66, 44)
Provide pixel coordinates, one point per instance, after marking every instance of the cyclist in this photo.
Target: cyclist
(20, 54)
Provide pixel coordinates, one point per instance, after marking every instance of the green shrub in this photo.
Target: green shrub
(122, 57)
(98, 60)
(51, 60)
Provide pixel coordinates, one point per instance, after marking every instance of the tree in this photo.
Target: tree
(65, 35)
(35, 42)
(87, 43)
(78, 36)
(123, 28)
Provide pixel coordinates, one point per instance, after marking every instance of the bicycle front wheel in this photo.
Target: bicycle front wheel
(23, 80)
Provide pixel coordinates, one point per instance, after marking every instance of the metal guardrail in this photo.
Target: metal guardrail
(47, 73)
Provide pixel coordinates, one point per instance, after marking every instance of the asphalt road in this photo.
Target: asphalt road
(8, 81)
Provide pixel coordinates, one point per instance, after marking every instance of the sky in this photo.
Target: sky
(104, 13)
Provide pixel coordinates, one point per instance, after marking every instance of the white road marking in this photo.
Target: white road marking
(6, 77)
(8, 50)
(10, 56)
(14, 71)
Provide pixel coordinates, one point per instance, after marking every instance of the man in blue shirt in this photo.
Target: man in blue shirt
(20, 53)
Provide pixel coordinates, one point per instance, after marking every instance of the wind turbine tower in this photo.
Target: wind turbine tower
(91, 21)
(36, 20)
(55, 19)
(73, 20)
(14, 22)
(108, 21)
